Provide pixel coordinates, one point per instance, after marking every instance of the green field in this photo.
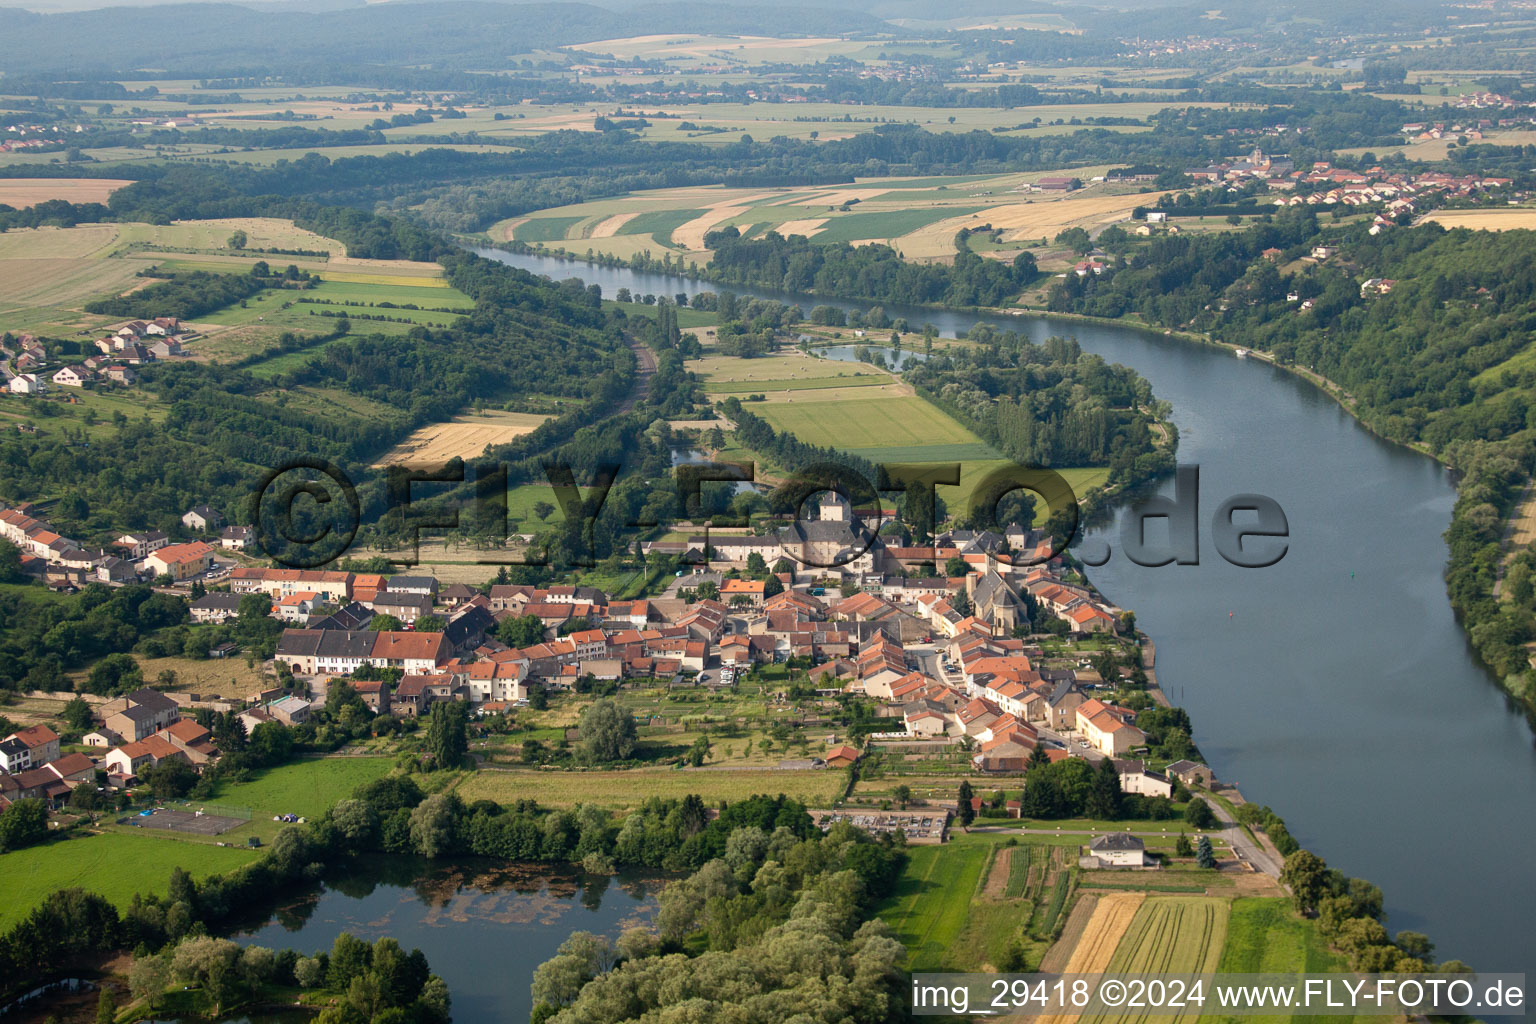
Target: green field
(115, 865)
(1266, 936)
(620, 789)
(889, 224)
(932, 901)
(545, 229)
(659, 224)
(887, 421)
(308, 788)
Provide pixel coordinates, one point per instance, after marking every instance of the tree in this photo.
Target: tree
(237, 239)
(903, 795)
(1306, 876)
(171, 779)
(699, 751)
(956, 567)
(148, 978)
(10, 563)
(1104, 796)
(1183, 847)
(1198, 813)
(77, 714)
(106, 1006)
(964, 812)
(1204, 856)
(385, 623)
(772, 587)
(521, 631)
(448, 733)
(430, 624)
(606, 733)
(22, 824)
(543, 510)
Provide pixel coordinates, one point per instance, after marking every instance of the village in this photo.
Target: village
(985, 662)
(24, 359)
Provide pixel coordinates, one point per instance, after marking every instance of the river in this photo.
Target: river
(1335, 686)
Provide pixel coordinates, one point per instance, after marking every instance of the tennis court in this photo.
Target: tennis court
(186, 820)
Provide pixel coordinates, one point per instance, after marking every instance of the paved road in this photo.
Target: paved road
(1254, 853)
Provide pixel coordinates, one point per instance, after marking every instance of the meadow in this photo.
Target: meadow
(932, 900)
(308, 787)
(114, 864)
(622, 789)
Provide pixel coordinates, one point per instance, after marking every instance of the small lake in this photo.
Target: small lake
(484, 925)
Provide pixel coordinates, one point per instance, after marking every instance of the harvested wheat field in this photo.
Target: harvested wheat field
(1045, 218)
(1102, 934)
(463, 437)
(20, 192)
(691, 235)
(808, 228)
(609, 226)
(1487, 220)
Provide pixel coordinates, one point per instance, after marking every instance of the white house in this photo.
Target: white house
(27, 384)
(72, 377)
(1119, 850)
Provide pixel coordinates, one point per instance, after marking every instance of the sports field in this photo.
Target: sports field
(619, 789)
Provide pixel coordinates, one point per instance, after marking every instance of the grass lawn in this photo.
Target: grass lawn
(620, 789)
(115, 865)
(932, 901)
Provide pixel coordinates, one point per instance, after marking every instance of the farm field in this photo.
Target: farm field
(1173, 934)
(463, 437)
(1096, 926)
(788, 371)
(619, 789)
(918, 216)
(22, 192)
(1508, 219)
(114, 864)
(261, 233)
(1035, 218)
(863, 425)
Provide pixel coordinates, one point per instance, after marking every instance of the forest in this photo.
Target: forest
(872, 272)
(1048, 404)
